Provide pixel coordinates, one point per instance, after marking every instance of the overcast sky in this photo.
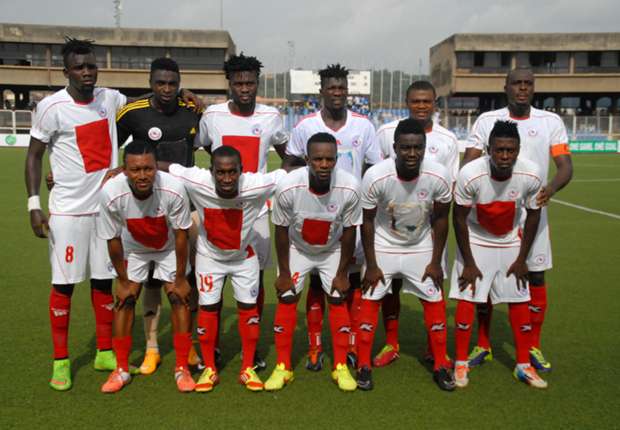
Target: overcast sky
(361, 34)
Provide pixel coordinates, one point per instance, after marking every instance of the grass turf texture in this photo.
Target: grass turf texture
(579, 338)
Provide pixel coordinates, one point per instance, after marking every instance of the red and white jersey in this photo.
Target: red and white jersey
(441, 146)
(225, 231)
(81, 139)
(403, 220)
(251, 135)
(542, 134)
(356, 141)
(316, 221)
(496, 205)
(148, 225)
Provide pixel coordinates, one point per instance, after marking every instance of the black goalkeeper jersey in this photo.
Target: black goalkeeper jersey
(173, 134)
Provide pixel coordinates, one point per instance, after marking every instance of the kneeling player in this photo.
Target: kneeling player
(145, 217)
(228, 204)
(491, 193)
(316, 210)
(402, 239)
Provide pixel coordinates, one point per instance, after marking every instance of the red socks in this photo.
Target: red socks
(521, 329)
(485, 312)
(354, 303)
(182, 343)
(435, 322)
(315, 308)
(249, 327)
(60, 309)
(340, 326)
(538, 307)
(103, 306)
(208, 329)
(464, 319)
(122, 348)
(391, 310)
(284, 327)
(369, 314)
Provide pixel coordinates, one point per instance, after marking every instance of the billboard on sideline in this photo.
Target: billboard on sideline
(598, 146)
(14, 140)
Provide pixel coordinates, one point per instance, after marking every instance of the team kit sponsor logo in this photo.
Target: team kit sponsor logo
(154, 133)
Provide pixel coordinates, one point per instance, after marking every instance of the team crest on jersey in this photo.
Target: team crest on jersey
(430, 291)
(540, 259)
(332, 207)
(512, 194)
(256, 130)
(532, 132)
(357, 141)
(154, 133)
(102, 112)
(422, 194)
(433, 149)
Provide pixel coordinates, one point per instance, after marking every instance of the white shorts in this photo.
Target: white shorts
(211, 274)
(540, 258)
(76, 251)
(164, 266)
(262, 241)
(493, 264)
(325, 265)
(410, 267)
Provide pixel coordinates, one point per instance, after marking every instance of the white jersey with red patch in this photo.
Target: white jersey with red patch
(251, 135)
(82, 142)
(225, 232)
(316, 221)
(441, 146)
(356, 141)
(145, 226)
(496, 205)
(403, 220)
(542, 134)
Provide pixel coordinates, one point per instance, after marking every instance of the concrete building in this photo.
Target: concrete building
(31, 60)
(575, 72)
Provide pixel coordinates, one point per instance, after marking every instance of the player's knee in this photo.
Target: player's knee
(103, 285)
(288, 299)
(210, 308)
(64, 289)
(174, 299)
(536, 279)
(336, 300)
(129, 303)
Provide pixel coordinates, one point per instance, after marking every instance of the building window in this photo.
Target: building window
(199, 58)
(464, 60)
(478, 59)
(135, 57)
(505, 59)
(594, 59)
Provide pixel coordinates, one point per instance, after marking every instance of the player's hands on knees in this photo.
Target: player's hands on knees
(181, 288)
(519, 270)
(435, 272)
(341, 284)
(110, 174)
(284, 283)
(372, 277)
(468, 278)
(544, 195)
(124, 290)
(49, 180)
(38, 222)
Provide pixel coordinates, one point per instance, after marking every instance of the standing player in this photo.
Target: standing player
(77, 125)
(441, 147)
(316, 211)
(228, 204)
(170, 125)
(357, 149)
(145, 219)
(406, 202)
(491, 193)
(251, 128)
(543, 135)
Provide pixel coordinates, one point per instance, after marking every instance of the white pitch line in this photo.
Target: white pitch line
(597, 180)
(583, 208)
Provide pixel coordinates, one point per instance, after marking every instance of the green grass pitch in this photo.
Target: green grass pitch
(580, 338)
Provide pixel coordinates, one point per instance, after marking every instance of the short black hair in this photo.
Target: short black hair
(76, 46)
(321, 137)
(526, 69)
(409, 126)
(225, 151)
(164, 63)
(139, 147)
(421, 86)
(333, 71)
(242, 63)
(504, 129)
